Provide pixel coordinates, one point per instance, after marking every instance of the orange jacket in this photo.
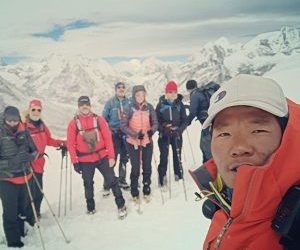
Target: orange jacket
(257, 194)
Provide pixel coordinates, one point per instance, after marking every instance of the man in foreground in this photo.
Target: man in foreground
(255, 142)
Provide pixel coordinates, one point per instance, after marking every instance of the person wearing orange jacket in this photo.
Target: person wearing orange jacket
(90, 145)
(17, 150)
(41, 136)
(255, 148)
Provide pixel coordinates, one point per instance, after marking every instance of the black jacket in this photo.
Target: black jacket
(17, 150)
(170, 113)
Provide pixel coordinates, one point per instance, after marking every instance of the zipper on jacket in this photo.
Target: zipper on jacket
(222, 233)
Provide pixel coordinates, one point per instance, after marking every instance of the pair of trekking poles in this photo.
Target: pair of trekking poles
(64, 167)
(37, 222)
(178, 155)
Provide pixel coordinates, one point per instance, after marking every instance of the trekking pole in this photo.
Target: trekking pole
(180, 166)
(169, 163)
(161, 192)
(183, 151)
(71, 185)
(140, 165)
(60, 184)
(50, 208)
(188, 135)
(66, 185)
(37, 223)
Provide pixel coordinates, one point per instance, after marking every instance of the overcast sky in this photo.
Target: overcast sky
(134, 28)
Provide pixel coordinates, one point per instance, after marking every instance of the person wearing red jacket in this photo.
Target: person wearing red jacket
(255, 148)
(41, 136)
(17, 150)
(90, 145)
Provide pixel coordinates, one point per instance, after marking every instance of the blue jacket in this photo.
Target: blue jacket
(113, 111)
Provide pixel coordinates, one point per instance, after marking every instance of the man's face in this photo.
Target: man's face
(84, 108)
(120, 90)
(171, 95)
(35, 113)
(243, 135)
(140, 97)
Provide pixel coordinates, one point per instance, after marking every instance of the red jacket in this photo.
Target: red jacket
(78, 148)
(42, 137)
(257, 194)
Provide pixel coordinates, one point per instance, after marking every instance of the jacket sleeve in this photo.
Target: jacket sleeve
(124, 124)
(106, 111)
(194, 107)
(71, 141)
(183, 118)
(159, 118)
(32, 147)
(50, 141)
(154, 122)
(106, 134)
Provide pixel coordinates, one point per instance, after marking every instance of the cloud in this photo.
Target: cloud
(111, 28)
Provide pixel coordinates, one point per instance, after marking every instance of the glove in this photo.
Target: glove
(175, 132)
(141, 135)
(77, 168)
(63, 149)
(150, 133)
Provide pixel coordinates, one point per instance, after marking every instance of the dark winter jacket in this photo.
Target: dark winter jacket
(113, 111)
(17, 150)
(199, 104)
(170, 113)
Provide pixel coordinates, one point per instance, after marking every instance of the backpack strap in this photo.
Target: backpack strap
(81, 131)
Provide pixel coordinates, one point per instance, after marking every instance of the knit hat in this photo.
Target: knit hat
(191, 84)
(171, 86)
(119, 84)
(35, 103)
(84, 100)
(11, 113)
(248, 90)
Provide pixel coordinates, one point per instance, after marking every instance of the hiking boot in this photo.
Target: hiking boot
(163, 181)
(123, 184)
(91, 212)
(136, 200)
(177, 177)
(122, 212)
(147, 198)
(18, 244)
(105, 192)
(90, 204)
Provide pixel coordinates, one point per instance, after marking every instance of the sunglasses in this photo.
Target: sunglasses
(121, 87)
(84, 104)
(38, 110)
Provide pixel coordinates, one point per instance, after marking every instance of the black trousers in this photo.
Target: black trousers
(163, 144)
(88, 172)
(36, 193)
(120, 148)
(140, 157)
(14, 198)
